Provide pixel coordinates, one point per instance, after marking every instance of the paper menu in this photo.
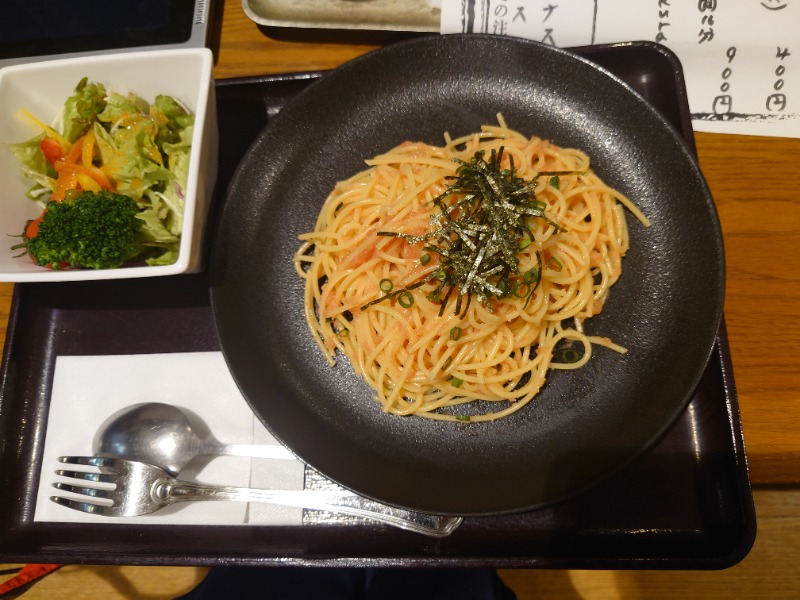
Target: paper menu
(741, 58)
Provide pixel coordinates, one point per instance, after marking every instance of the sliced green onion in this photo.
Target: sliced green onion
(504, 288)
(522, 290)
(456, 382)
(531, 276)
(524, 243)
(425, 259)
(386, 285)
(405, 299)
(554, 264)
(539, 205)
(462, 417)
(570, 356)
(455, 333)
(555, 182)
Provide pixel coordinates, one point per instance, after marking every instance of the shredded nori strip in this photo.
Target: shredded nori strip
(479, 236)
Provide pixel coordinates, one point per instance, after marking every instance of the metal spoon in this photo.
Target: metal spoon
(161, 434)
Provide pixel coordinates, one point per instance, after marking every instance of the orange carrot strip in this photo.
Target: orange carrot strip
(66, 181)
(94, 172)
(75, 152)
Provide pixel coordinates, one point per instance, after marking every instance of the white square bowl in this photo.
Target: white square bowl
(42, 88)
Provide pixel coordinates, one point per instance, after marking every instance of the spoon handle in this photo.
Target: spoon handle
(249, 450)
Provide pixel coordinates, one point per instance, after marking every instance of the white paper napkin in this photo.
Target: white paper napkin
(88, 389)
(265, 475)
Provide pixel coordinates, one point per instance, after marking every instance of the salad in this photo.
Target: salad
(104, 146)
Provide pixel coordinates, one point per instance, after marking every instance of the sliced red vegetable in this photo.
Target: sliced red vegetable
(52, 149)
(32, 230)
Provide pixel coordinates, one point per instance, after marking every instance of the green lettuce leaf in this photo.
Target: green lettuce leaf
(34, 166)
(179, 155)
(175, 118)
(119, 106)
(80, 109)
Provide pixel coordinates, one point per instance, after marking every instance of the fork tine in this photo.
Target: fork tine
(87, 476)
(94, 461)
(87, 507)
(83, 491)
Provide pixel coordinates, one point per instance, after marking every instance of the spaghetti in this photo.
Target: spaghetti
(377, 287)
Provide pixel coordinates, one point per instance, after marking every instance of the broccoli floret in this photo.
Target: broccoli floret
(93, 230)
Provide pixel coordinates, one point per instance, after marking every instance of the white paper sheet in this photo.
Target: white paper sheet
(88, 389)
(741, 59)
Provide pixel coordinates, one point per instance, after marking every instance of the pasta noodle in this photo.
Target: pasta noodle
(371, 278)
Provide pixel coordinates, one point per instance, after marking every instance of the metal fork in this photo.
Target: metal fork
(140, 489)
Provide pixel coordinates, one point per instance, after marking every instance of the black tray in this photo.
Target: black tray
(685, 504)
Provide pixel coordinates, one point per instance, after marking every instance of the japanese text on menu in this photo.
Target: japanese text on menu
(740, 58)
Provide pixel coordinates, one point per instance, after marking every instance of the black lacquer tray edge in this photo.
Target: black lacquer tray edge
(12, 446)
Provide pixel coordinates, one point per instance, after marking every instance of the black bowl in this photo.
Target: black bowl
(585, 424)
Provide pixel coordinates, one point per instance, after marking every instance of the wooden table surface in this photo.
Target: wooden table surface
(756, 185)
